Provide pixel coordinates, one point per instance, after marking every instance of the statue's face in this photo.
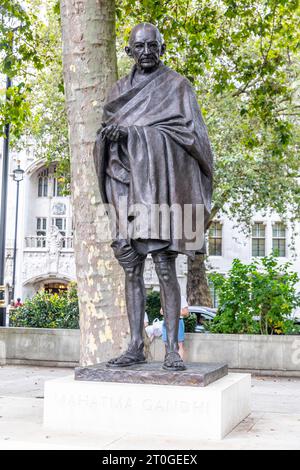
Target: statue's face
(145, 48)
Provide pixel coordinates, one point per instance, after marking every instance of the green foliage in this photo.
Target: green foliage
(256, 298)
(48, 128)
(240, 55)
(292, 329)
(47, 310)
(35, 104)
(190, 323)
(18, 54)
(153, 306)
(14, 109)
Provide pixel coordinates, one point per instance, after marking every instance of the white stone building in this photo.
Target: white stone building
(45, 257)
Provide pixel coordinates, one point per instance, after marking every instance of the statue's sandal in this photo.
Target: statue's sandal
(127, 359)
(173, 362)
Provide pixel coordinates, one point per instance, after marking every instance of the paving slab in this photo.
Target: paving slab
(274, 422)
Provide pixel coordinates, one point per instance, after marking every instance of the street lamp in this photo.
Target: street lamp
(3, 212)
(18, 175)
(4, 178)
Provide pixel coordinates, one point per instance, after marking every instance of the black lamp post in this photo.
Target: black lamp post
(3, 214)
(4, 182)
(18, 175)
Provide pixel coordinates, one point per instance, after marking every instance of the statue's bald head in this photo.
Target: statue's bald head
(145, 46)
(145, 27)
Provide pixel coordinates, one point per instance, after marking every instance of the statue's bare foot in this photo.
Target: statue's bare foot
(126, 359)
(173, 361)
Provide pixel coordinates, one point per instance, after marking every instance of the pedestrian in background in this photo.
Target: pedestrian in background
(184, 313)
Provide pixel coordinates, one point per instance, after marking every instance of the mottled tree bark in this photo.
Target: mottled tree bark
(197, 286)
(89, 58)
(198, 292)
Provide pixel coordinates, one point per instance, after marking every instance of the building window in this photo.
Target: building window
(41, 232)
(57, 188)
(215, 239)
(258, 239)
(43, 183)
(279, 239)
(61, 224)
(213, 294)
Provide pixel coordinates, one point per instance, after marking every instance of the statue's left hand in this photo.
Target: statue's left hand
(114, 132)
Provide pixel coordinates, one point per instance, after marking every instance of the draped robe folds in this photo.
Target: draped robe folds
(166, 158)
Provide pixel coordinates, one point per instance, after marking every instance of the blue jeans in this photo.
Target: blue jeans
(180, 331)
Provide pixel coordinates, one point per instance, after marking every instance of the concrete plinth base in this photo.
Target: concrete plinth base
(191, 412)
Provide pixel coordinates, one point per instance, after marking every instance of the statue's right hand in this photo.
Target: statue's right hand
(101, 129)
(114, 132)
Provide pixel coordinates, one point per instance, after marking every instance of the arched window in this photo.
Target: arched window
(43, 183)
(57, 187)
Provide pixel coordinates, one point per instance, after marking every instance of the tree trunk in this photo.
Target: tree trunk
(197, 286)
(90, 68)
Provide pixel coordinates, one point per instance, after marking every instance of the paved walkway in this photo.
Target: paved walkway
(273, 424)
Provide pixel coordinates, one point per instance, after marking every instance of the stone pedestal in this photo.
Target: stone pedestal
(168, 410)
